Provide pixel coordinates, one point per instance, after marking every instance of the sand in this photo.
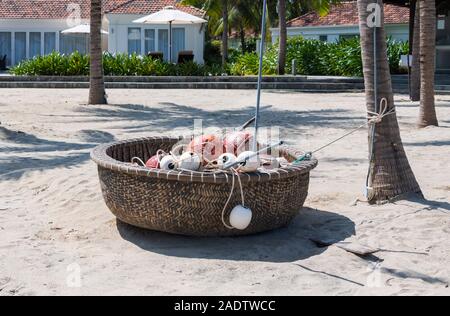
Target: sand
(57, 237)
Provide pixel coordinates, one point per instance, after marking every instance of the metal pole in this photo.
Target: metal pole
(170, 41)
(261, 58)
(375, 93)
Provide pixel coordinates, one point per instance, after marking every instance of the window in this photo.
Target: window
(149, 41)
(134, 40)
(74, 43)
(178, 42)
(49, 42)
(20, 46)
(443, 31)
(163, 43)
(35, 44)
(5, 46)
(323, 38)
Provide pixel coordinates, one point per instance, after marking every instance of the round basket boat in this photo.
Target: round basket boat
(191, 203)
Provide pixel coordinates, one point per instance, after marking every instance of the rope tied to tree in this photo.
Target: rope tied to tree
(376, 118)
(373, 119)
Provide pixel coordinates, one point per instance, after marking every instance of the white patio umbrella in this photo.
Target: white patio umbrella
(81, 29)
(169, 15)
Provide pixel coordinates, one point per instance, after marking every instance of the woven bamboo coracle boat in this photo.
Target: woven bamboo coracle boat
(191, 203)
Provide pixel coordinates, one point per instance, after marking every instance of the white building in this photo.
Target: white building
(30, 28)
(342, 22)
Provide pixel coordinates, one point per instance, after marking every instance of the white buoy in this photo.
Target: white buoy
(189, 161)
(241, 217)
(249, 164)
(225, 159)
(168, 163)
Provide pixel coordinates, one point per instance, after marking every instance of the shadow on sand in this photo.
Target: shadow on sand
(435, 143)
(283, 245)
(170, 115)
(22, 152)
(433, 205)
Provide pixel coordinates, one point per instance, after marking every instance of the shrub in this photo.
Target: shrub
(250, 45)
(309, 54)
(248, 64)
(77, 64)
(54, 64)
(313, 57)
(213, 52)
(395, 50)
(344, 58)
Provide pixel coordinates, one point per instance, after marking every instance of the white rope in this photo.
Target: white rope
(233, 183)
(376, 118)
(138, 160)
(373, 119)
(240, 187)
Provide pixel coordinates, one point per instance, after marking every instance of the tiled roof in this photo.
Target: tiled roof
(39, 9)
(62, 9)
(346, 13)
(150, 6)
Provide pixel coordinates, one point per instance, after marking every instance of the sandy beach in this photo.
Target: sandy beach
(54, 223)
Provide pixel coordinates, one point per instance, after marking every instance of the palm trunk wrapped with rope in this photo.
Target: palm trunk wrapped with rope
(390, 174)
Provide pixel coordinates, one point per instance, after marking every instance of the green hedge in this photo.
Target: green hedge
(54, 64)
(77, 64)
(313, 57)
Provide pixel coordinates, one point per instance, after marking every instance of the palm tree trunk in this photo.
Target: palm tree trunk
(283, 37)
(390, 174)
(242, 36)
(428, 22)
(97, 93)
(415, 67)
(225, 32)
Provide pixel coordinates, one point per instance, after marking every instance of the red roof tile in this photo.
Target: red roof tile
(150, 6)
(39, 9)
(61, 9)
(346, 13)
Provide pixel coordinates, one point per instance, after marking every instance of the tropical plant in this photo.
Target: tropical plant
(213, 52)
(390, 174)
(77, 64)
(246, 15)
(395, 50)
(314, 57)
(54, 64)
(248, 64)
(218, 15)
